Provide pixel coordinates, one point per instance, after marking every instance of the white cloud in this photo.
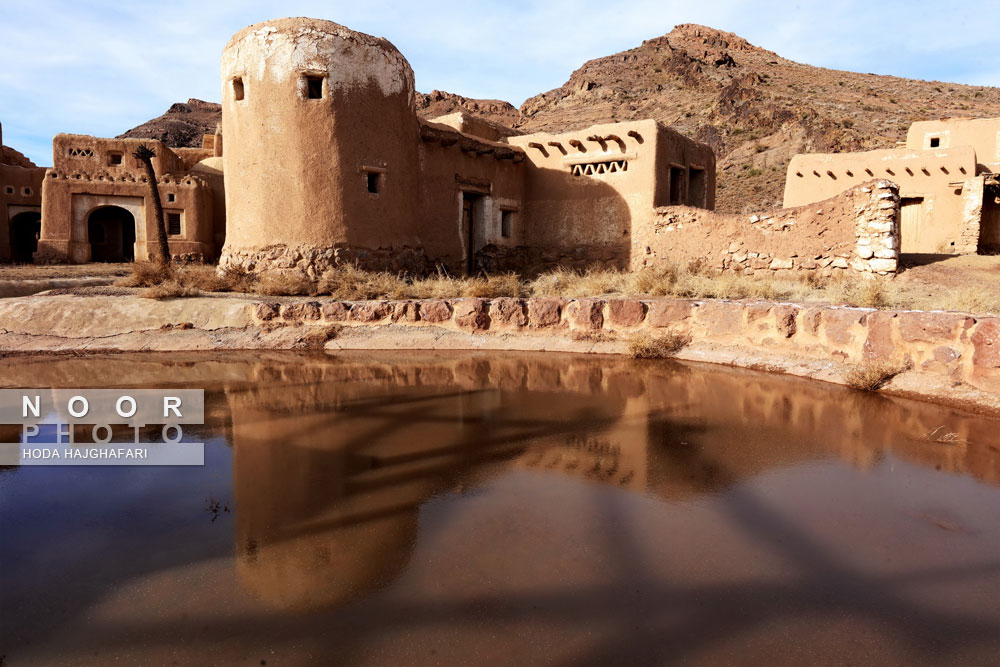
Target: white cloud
(102, 67)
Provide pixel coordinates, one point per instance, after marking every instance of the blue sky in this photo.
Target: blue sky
(101, 67)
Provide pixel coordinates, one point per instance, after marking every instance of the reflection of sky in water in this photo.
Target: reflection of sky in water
(80, 524)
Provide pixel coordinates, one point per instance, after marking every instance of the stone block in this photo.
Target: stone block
(435, 311)
(471, 314)
(780, 264)
(626, 312)
(334, 311)
(878, 344)
(266, 311)
(300, 312)
(838, 324)
(405, 311)
(785, 320)
(665, 313)
(721, 318)
(586, 313)
(888, 265)
(930, 327)
(370, 311)
(508, 312)
(986, 345)
(544, 312)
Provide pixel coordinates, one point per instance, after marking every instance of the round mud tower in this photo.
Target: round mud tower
(321, 149)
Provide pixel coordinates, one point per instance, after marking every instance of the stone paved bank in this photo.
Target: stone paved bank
(953, 357)
(963, 348)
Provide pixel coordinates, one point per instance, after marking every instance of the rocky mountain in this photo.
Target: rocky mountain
(755, 108)
(182, 126)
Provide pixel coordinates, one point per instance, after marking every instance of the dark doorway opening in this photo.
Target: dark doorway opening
(472, 206)
(111, 231)
(677, 175)
(24, 231)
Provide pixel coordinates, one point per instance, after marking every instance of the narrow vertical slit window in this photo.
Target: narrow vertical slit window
(238, 89)
(374, 180)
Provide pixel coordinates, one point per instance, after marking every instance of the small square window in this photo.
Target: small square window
(114, 159)
(238, 89)
(506, 223)
(935, 142)
(9, 190)
(171, 197)
(314, 87)
(374, 182)
(173, 224)
(26, 192)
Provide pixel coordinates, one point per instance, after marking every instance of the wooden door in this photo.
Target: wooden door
(910, 214)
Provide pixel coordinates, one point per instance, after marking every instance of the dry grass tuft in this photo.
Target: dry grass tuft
(871, 376)
(285, 284)
(169, 289)
(661, 346)
(974, 300)
(147, 274)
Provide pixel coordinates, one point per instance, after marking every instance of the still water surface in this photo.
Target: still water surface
(457, 509)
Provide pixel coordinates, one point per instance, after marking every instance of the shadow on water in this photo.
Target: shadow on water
(605, 511)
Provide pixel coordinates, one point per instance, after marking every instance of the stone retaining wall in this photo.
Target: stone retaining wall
(857, 230)
(963, 347)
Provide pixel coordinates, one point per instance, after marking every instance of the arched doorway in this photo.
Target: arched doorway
(24, 229)
(111, 231)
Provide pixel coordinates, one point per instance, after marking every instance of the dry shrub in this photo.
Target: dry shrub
(169, 289)
(974, 300)
(352, 284)
(871, 376)
(146, 274)
(285, 284)
(204, 278)
(873, 293)
(660, 346)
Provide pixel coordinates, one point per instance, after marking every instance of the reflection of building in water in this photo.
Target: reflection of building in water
(334, 457)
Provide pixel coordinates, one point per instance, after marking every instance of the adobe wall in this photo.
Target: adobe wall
(855, 231)
(589, 191)
(945, 180)
(297, 168)
(86, 178)
(982, 134)
(20, 192)
(453, 163)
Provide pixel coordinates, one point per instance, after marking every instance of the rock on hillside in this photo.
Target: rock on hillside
(182, 126)
(439, 103)
(755, 108)
(10, 156)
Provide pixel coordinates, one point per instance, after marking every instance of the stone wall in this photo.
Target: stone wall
(857, 231)
(961, 347)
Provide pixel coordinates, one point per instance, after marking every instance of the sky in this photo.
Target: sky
(101, 67)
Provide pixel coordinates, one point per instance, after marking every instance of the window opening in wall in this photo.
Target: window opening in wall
(598, 168)
(506, 223)
(114, 159)
(81, 152)
(26, 192)
(374, 181)
(314, 87)
(238, 89)
(171, 197)
(173, 224)
(9, 190)
(677, 185)
(696, 187)
(935, 142)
